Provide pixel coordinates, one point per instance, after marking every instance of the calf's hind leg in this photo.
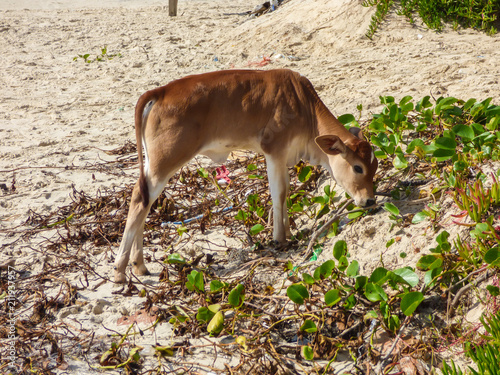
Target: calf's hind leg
(131, 245)
(136, 254)
(133, 237)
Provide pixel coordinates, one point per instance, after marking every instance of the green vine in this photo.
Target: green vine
(383, 7)
(477, 14)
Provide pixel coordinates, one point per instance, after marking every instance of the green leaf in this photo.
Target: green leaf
(253, 201)
(343, 263)
(379, 154)
(375, 293)
(307, 353)
(353, 269)
(393, 323)
(350, 302)
(492, 111)
(431, 275)
(460, 166)
(257, 228)
(414, 144)
(241, 215)
(323, 211)
(251, 167)
(214, 308)
(328, 192)
(394, 114)
(308, 279)
(360, 282)
(443, 104)
(305, 174)
(492, 256)
(424, 103)
(181, 230)
(199, 283)
(379, 276)
(443, 244)
(420, 216)
(317, 274)
(348, 119)
(309, 326)
(297, 293)
(260, 211)
(327, 268)
(203, 172)
(216, 323)
(216, 285)
(164, 350)
(407, 275)
(320, 200)
(386, 99)
(452, 370)
(237, 296)
(384, 309)
(354, 215)
(391, 208)
(463, 131)
(383, 141)
(469, 104)
(255, 176)
(410, 302)
(446, 143)
(479, 230)
(443, 154)
(204, 315)
(429, 262)
(494, 290)
(405, 104)
(195, 281)
(400, 161)
(494, 123)
(175, 259)
(332, 297)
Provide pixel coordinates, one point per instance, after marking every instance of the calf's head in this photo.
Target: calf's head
(353, 165)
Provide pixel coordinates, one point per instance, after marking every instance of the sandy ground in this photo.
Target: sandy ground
(56, 112)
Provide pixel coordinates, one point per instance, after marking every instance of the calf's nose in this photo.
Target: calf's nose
(370, 202)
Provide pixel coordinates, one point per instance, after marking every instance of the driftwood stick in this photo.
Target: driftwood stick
(324, 227)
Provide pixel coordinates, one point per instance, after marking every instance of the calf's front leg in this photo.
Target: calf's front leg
(279, 182)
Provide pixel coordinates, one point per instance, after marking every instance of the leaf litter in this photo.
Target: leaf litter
(267, 319)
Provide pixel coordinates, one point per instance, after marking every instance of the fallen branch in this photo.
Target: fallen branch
(462, 291)
(324, 227)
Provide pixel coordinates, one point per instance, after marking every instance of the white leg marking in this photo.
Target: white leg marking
(277, 174)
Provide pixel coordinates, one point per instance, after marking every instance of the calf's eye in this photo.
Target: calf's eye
(358, 169)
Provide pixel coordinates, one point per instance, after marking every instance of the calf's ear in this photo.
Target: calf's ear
(357, 132)
(331, 144)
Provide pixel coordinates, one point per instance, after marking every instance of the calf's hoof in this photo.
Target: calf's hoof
(279, 245)
(140, 270)
(120, 277)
